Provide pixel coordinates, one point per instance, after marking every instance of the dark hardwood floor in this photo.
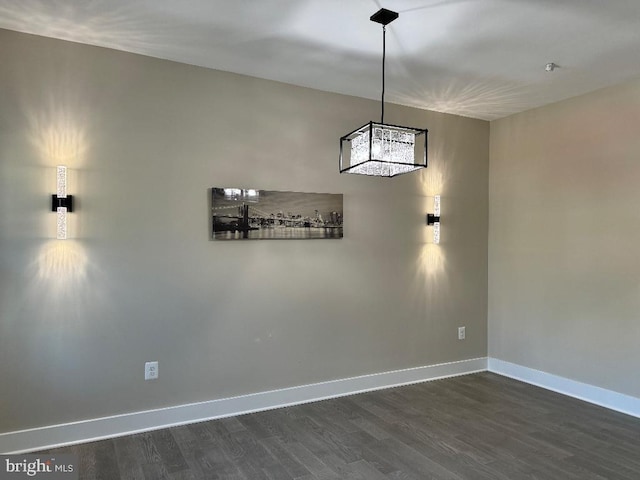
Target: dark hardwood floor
(480, 426)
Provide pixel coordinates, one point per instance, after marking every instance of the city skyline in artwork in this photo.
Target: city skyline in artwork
(241, 214)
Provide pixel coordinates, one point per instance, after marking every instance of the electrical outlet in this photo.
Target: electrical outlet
(461, 333)
(151, 370)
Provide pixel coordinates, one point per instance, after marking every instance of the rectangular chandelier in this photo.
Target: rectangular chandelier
(383, 150)
(379, 149)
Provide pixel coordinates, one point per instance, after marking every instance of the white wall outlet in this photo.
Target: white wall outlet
(461, 333)
(151, 370)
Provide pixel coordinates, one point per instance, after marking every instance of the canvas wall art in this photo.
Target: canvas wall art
(251, 214)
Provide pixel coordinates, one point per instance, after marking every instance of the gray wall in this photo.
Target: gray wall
(564, 275)
(145, 139)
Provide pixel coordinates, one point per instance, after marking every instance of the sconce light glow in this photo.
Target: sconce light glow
(434, 219)
(61, 203)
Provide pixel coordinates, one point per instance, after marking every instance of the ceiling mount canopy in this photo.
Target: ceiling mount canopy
(384, 16)
(380, 149)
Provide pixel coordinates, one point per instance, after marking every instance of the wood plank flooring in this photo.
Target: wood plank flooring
(481, 426)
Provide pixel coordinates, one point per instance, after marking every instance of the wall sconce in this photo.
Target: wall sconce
(434, 219)
(61, 203)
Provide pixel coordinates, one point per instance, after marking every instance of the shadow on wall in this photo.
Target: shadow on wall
(431, 284)
(434, 181)
(58, 274)
(123, 28)
(469, 98)
(431, 276)
(57, 136)
(58, 278)
(61, 262)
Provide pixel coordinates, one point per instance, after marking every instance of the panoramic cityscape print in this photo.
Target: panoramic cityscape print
(248, 214)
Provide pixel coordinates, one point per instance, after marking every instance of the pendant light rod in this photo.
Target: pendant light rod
(384, 17)
(384, 55)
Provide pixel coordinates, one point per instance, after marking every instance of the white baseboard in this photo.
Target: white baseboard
(589, 393)
(108, 427)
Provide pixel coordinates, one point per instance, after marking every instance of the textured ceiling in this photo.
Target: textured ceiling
(478, 58)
